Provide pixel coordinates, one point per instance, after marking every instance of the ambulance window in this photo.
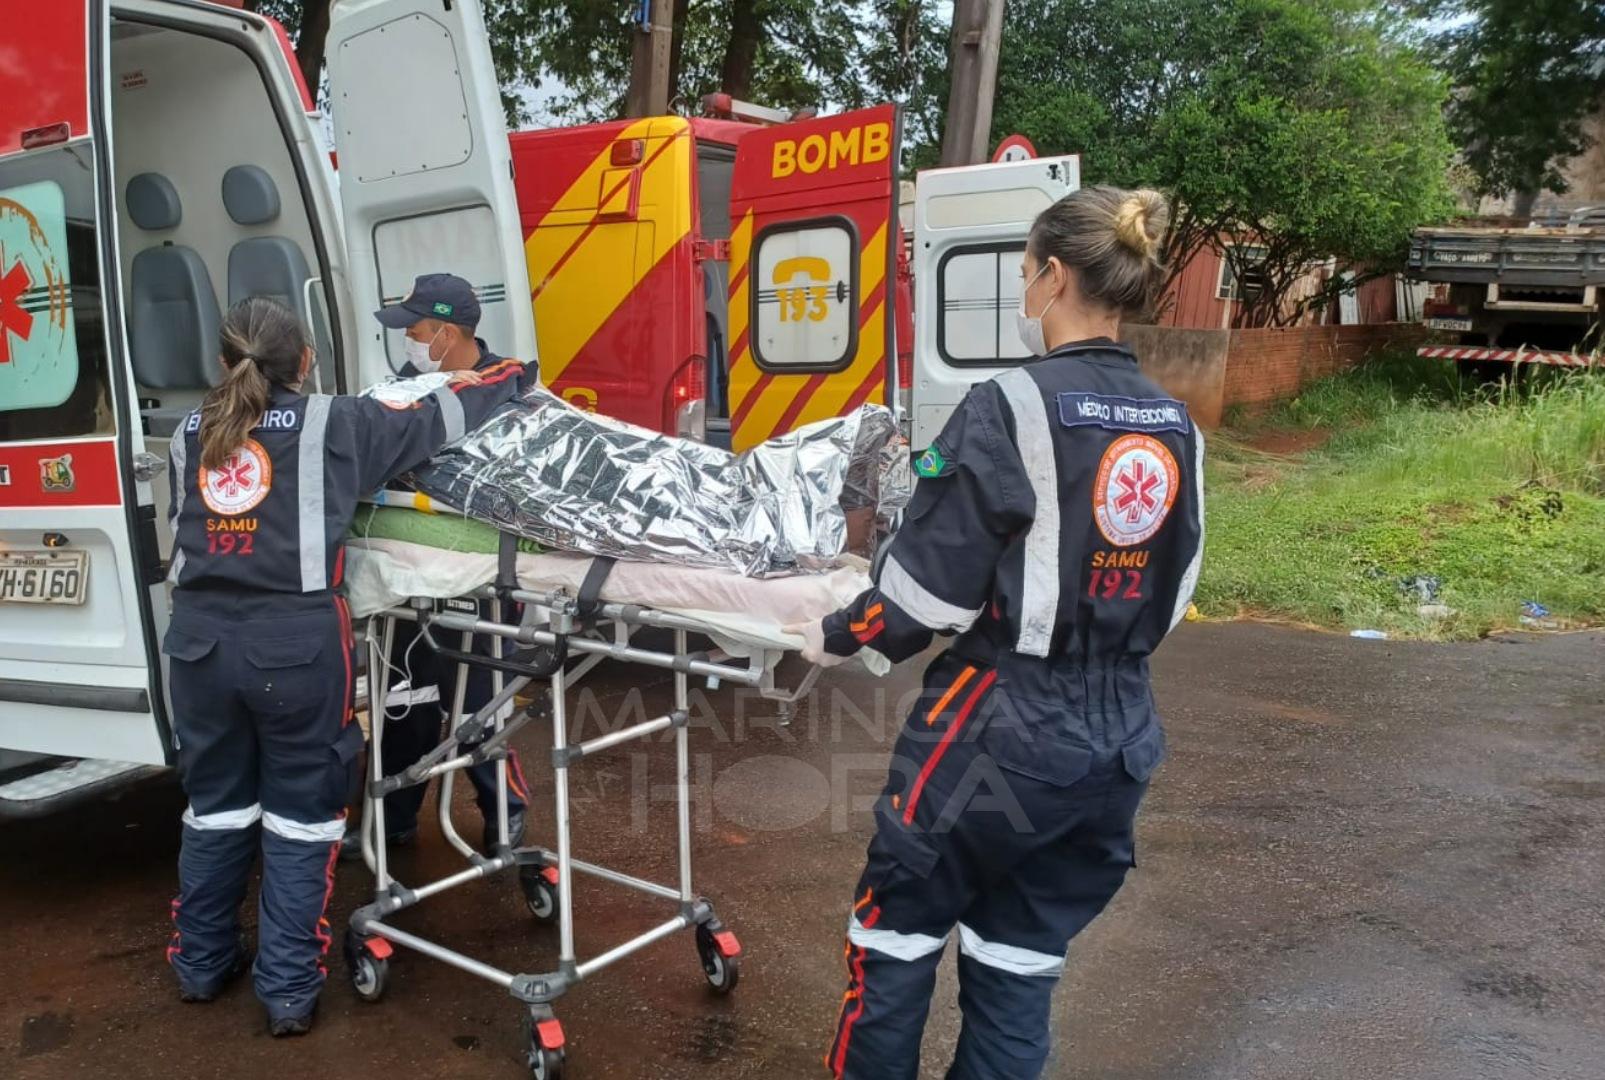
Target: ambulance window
(805, 299)
(977, 294)
(53, 380)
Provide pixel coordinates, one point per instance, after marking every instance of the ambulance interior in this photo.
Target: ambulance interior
(209, 210)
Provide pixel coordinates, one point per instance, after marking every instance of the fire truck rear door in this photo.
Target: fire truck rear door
(426, 180)
(813, 266)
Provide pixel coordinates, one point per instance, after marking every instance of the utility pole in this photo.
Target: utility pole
(977, 35)
(650, 60)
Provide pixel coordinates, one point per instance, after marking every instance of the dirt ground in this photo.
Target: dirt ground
(1362, 860)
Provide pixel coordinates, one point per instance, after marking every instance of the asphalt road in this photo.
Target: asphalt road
(1362, 860)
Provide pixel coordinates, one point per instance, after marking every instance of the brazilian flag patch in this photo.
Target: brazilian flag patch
(442, 308)
(932, 463)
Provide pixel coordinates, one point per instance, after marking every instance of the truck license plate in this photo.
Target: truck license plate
(1449, 324)
(44, 577)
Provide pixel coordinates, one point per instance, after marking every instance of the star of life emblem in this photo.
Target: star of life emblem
(1136, 487)
(240, 483)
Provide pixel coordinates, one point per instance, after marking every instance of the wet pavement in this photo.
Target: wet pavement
(1362, 860)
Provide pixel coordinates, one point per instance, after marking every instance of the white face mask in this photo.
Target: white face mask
(1029, 327)
(420, 354)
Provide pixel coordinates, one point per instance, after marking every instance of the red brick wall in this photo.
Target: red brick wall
(1267, 366)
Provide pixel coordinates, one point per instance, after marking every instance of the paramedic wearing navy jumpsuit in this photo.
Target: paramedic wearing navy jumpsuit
(1056, 529)
(265, 484)
(439, 317)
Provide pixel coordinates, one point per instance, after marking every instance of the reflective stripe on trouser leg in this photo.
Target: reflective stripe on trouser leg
(883, 1011)
(214, 865)
(293, 933)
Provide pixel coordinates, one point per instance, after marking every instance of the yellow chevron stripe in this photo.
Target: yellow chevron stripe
(761, 421)
(576, 298)
(743, 372)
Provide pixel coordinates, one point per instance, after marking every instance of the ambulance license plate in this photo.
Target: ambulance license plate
(44, 577)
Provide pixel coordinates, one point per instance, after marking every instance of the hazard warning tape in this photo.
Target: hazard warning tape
(1513, 356)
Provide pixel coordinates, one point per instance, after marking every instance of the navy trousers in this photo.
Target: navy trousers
(416, 719)
(268, 754)
(1008, 817)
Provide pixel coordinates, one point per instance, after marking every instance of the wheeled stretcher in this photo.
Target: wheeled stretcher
(563, 631)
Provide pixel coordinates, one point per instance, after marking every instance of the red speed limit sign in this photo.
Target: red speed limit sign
(1015, 148)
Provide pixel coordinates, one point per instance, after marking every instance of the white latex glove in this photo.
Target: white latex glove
(813, 650)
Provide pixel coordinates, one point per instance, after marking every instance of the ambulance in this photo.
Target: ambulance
(158, 162)
(161, 159)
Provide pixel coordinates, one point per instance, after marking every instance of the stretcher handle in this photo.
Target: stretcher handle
(543, 668)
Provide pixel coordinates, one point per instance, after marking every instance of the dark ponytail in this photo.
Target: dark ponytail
(262, 343)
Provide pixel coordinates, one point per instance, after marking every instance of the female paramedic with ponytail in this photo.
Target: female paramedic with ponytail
(265, 481)
(1056, 529)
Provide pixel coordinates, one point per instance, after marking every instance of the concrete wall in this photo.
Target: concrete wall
(1214, 370)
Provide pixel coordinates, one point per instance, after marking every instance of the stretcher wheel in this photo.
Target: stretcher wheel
(540, 891)
(370, 971)
(720, 953)
(546, 1054)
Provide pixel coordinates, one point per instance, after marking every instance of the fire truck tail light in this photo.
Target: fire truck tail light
(48, 135)
(627, 152)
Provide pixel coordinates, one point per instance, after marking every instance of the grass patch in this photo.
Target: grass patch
(1500, 494)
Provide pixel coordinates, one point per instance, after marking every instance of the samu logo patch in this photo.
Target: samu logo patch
(242, 481)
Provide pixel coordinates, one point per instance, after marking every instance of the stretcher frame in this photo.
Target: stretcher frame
(557, 627)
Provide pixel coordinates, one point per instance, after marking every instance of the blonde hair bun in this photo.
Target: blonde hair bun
(1140, 222)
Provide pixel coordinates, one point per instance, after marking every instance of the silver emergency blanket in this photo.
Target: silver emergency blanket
(581, 482)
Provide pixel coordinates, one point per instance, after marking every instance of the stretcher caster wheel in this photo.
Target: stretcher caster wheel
(721, 957)
(540, 891)
(544, 1035)
(369, 961)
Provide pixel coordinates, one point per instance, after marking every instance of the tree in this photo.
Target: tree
(1526, 75)
(1295, 127)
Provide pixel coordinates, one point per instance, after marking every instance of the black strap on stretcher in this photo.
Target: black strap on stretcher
(588, 605)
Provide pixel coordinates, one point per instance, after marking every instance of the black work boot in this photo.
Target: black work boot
(515, 832)
(351, 843)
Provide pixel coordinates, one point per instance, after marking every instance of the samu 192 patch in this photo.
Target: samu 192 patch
(932, 462)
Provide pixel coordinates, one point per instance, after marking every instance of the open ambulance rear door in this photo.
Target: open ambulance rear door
(970, 227)
(426, 175)
(813, 268)
(81, 599)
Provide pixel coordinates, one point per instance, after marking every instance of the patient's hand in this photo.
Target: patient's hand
(466, 376)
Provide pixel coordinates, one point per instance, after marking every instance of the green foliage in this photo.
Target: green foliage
(1527, 74)
(1298, 124)
(1499, 493)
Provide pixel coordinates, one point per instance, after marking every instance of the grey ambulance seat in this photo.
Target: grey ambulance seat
(272, 266)
(172, 310)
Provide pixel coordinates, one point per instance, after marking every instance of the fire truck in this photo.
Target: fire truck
(161, 159)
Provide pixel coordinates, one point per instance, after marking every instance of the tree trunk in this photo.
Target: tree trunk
(676, 47)
(309, 49)
(1523, 207)
(741, 52)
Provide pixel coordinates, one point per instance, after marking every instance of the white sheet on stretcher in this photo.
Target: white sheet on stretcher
(742, 614)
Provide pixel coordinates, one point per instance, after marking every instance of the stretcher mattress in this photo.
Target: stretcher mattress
(742, 614)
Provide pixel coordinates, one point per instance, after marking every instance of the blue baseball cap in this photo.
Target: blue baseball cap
(446, 297)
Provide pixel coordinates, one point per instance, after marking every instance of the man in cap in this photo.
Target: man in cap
(439, 317)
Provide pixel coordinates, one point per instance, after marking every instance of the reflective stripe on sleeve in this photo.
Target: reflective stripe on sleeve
(180, 454)
(451, 413)
(1189, 579)
(323, 832)
(891, 943)
(899, 586)
(1039, 600)
(310, 483)
(1010, 958)
(242, 818)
